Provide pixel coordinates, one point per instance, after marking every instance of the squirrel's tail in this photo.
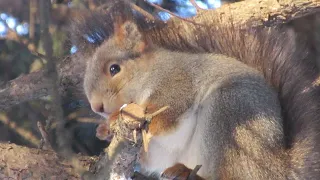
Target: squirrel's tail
(286, 64)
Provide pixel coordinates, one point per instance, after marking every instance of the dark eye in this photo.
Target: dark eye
(114, 69)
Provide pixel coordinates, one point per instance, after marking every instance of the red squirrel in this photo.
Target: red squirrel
(234, 112)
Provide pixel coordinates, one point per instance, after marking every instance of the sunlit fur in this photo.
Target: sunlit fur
(242, 115)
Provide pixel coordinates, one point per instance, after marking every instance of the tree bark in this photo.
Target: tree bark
(36, 85)
(249, 13)
(18, 162)
(34, 164)
(261, 13)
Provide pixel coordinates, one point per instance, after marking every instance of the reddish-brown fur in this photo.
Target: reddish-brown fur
(286, 66)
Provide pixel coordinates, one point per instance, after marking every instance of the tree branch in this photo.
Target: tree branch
(18, 162)
(180, 34)
(36, 85)
(252, 12)
(261, 13)
(23, 88)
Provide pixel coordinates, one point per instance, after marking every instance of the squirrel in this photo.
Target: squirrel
(240, 113)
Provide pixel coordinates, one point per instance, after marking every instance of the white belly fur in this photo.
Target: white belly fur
(164, 151)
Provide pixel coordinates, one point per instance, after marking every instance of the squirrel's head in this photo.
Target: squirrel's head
(116, 70)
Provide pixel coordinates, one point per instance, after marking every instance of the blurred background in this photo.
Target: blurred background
(20, 35)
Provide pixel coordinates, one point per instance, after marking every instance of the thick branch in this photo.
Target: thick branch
(23, 88)
(257, 13)
(19, 162)
(35, 85)
(182, 35)
(260, 13)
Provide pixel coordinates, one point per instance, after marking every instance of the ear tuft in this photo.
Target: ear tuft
(131, 31)
(129, 37)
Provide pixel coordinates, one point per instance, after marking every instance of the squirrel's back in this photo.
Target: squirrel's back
(284, 62)
(285, 65)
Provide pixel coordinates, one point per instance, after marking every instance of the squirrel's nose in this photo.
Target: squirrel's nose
(97, 107)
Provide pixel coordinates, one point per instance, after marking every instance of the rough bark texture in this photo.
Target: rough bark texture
(179, 34)
(262, 13)
(18, 162)
(124, 149)
(32, 163)
(249, 12)
(35, 85)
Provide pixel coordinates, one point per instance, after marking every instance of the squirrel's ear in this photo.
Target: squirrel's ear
(129, 37)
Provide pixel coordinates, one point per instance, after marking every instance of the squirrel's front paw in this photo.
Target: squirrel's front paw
(104, 132)
(179, 172)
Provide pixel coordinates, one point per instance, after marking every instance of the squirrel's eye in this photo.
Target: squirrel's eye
(114, 69)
